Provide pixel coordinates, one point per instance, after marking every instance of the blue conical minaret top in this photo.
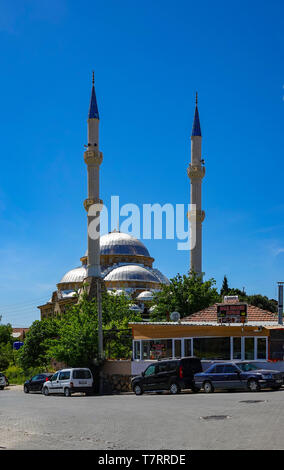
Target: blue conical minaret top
(93, 110)
(196, 129)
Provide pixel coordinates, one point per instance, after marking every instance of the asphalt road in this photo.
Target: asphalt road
(187, 421)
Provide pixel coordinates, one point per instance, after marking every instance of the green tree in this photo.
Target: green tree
(258, 300)
(6, 355)
(6, 345)
(225, 287)
(185, 294)
(36, 349)
(6, 333)
(77, 342)
(261, 301)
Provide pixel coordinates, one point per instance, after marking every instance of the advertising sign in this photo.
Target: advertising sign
(232, 313)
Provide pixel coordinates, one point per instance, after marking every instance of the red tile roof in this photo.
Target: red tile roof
(209, 314)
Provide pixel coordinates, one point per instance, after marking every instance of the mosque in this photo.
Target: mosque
(121, 261)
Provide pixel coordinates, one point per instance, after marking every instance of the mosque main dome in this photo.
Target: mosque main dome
(118, 243)
(126, 266)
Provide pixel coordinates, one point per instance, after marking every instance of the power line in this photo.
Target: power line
(23, 307)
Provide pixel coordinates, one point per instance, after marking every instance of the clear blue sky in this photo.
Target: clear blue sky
(149, 59)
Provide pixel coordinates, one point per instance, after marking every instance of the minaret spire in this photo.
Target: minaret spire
(93, 109)
(196, 172)
(196, 128)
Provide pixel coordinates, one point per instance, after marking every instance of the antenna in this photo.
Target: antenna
(175, 316)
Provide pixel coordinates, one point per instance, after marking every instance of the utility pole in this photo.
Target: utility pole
(280, 303)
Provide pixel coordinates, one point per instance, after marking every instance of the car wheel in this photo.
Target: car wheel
(137, 389)
(277, 387)
(26, 390)
(253, 385)
(174, 389)
(208, 387)
(45, 391)
(67, 392)
(2, 387)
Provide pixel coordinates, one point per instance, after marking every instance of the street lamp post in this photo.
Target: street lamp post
(280, 303)
(100, 333)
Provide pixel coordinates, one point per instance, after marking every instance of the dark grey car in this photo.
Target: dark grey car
(237, 375)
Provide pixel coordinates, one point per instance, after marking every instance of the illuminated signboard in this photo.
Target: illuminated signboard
(232, 313)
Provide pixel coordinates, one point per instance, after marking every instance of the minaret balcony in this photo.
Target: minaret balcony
(90, 202)
(195, 216)
(93, 157)
(195, 171)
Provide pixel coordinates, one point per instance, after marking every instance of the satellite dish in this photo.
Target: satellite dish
(175, 316)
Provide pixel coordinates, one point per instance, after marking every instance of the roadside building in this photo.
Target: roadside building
(19, 333)
(227, 331)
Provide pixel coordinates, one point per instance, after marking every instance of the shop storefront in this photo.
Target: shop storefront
(220, 332)
(206, 347)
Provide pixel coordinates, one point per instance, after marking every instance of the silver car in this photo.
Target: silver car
(68, 381)
(3, 382)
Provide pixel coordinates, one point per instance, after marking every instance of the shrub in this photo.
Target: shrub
(17, 376)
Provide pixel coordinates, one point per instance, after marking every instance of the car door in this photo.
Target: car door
(232, 377)
(54, 383)
(219, 378)
(34, 383)
(163, 374)
(215, 375)
(63, 380)
(150, 378)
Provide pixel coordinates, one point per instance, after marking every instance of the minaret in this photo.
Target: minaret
(196, 215)
(93, 158)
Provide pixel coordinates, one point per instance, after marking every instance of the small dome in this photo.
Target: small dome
(131, 272)
(145, 295)
(75, 275)
(135, 308)
(118, 292)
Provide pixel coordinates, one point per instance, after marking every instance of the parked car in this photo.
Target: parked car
(3, 381)
(68, 381)
(237, 375)
(247, 366)
(36, 382)
(173, 375)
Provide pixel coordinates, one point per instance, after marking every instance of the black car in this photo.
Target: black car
(35, 384)
(172, 374)
(237, 375)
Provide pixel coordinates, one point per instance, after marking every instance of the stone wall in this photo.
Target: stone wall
(117, 376)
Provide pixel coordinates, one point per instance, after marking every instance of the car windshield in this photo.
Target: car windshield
(246, 367)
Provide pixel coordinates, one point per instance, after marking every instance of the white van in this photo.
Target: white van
(68, 381)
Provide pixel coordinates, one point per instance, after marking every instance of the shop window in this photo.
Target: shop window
(261, 348)
(187, 347)
(249, 348)
(177, 348)
(237, 348)
(156, 349)
(212, 348)
(136, 350)
(277, 345)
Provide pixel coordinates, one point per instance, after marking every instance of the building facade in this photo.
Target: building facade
(202, 334)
